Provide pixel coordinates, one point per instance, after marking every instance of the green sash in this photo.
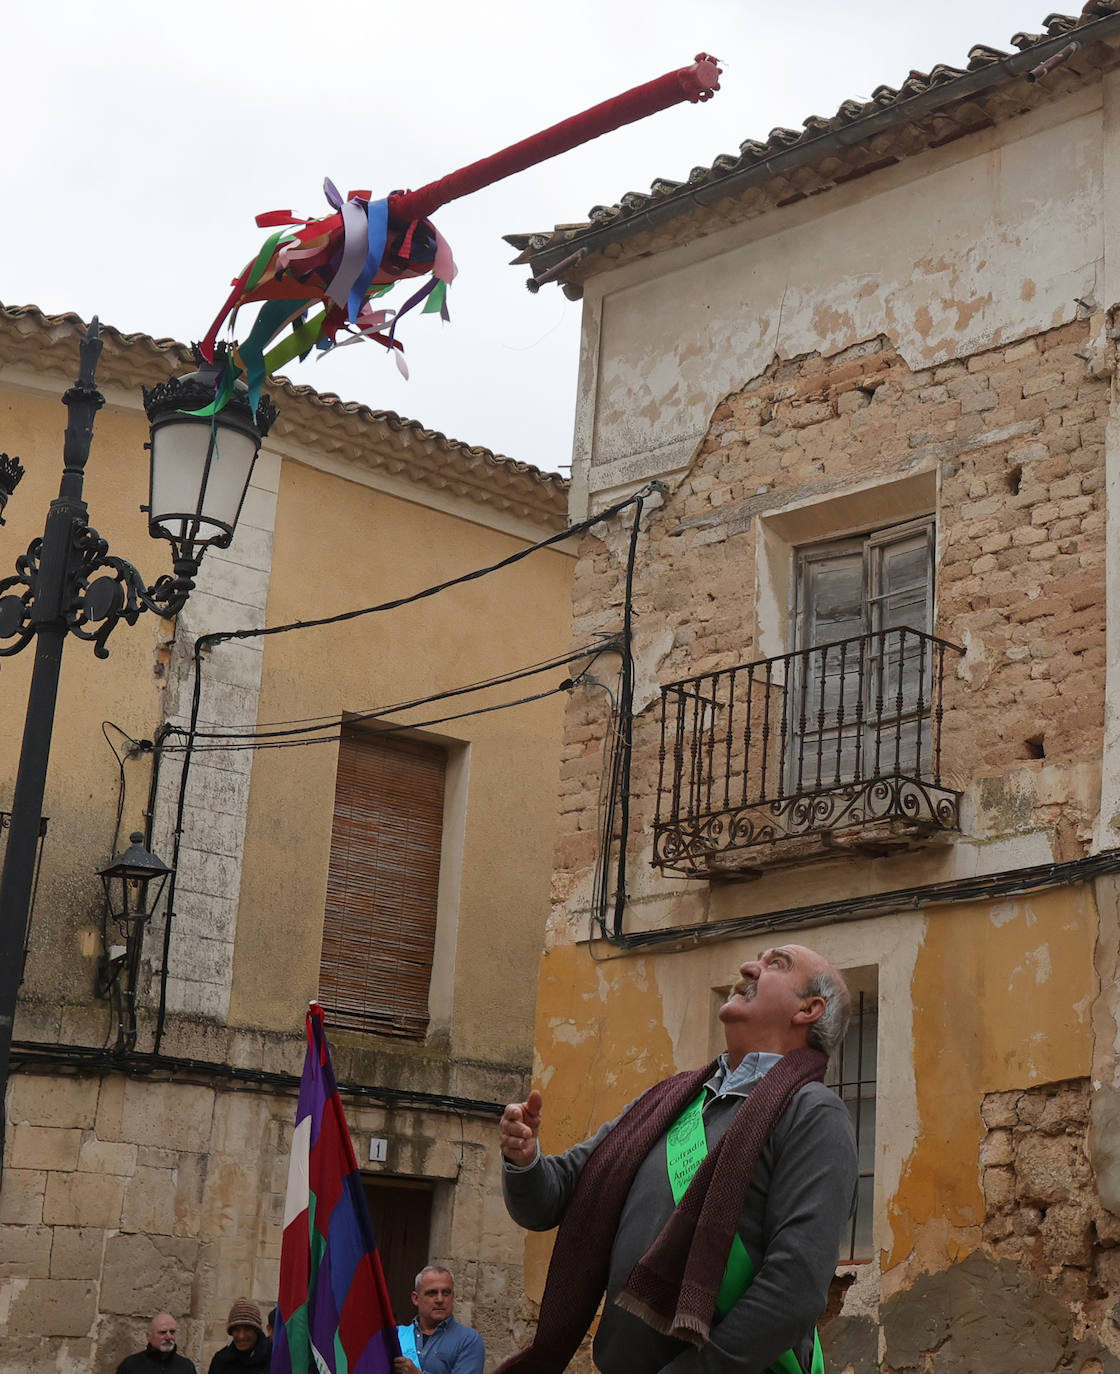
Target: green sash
(686, 1145)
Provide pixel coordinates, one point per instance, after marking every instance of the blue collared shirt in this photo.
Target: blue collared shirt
(452, 1348)
(738, 1081)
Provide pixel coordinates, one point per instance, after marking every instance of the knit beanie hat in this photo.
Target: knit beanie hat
(244, 1313)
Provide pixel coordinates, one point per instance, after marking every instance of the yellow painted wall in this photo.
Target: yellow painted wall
(82, 781)
(1001, 1001)
(340, 545)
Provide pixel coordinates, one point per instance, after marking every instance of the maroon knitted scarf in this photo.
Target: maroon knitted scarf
(674, 1286)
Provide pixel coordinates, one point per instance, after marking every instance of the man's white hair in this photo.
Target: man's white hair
(828, 1030)
(432, 1269)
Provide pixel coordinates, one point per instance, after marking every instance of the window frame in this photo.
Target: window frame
(869, 547)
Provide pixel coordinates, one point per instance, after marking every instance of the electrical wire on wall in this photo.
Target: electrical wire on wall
(618, 744)
(614, 834)
(308, 731)
(190, 745)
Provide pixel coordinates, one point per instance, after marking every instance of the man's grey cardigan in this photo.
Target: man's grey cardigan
(802, 1193)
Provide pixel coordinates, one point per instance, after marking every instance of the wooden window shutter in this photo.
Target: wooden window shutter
(383, 883)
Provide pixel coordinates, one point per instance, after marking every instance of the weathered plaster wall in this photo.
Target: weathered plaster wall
(339, 545)
(1001, 997)
(122, 1195)
(125, 689)
(989, 239)
(1006, 450)
(929, 339)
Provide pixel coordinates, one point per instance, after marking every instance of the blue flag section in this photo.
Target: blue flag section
(334, 1314)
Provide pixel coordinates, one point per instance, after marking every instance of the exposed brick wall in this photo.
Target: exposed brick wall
(1016, 435)
(1022, 565)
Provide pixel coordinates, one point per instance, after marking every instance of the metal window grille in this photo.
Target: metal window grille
(745, 761)
(852, 1075)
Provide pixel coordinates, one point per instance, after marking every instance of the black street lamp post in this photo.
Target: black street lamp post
(68, 582)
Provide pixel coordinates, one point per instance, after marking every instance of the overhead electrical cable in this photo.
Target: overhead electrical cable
(208, 641)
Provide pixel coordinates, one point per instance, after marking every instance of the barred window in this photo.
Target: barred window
(851, 1073)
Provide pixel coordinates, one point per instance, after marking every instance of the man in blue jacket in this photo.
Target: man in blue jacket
(434, 1342)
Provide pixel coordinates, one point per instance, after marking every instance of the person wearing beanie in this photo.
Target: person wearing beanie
(249, 1347)
(161, 1355)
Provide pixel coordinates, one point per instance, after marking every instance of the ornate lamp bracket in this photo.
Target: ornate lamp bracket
(103, 590)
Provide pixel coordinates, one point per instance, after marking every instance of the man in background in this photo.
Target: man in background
(434, 1342)
(160, 1353)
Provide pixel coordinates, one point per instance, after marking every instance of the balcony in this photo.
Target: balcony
(830, 750)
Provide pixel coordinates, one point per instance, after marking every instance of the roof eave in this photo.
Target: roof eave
(594, 239)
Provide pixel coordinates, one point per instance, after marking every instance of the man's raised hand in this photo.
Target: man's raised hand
(517, 1134)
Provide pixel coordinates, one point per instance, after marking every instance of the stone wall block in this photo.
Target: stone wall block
(76, 1252)
(266, 1279)
(999, 1189)
(152, 1157)
(174, 1116)
(25, 1251)
(997, 1227)
(215, 1276)
(1000, 1109)
(1045, 1169)
(53, 1307)
(83, 1200)
(146, 1274)
(118, 1337)
(21, 1200)
(149, 1202)
(241, 1124)
(45, 1147)
(106, 1157)
(997, 1149)
(229, 1199)
(1067, 1232)
(42, 1100)
(110, 1106)
(1068, 1107)
(189, 1192)
(34, 1355)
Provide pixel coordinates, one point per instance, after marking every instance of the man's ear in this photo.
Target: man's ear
(812, 1011)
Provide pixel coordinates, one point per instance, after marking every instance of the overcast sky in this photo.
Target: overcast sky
(141, 139)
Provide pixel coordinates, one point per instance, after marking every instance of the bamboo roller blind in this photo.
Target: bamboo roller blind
(382, 884)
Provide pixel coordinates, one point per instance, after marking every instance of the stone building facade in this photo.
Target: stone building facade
(869, 369)
(146, 1164)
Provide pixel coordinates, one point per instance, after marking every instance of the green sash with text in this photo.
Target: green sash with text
(686, 1146)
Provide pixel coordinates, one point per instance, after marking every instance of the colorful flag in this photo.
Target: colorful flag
(334, 1315)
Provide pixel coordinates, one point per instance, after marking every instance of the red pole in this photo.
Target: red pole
(696, 83)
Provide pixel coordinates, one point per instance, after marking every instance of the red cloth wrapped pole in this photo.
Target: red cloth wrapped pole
(338, 265)
(696, 83)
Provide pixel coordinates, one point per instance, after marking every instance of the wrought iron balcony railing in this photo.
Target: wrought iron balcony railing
(840, 739)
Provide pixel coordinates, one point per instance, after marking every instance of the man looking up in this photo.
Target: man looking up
(161, 1353)
(711, 1210)
(434, 1342)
